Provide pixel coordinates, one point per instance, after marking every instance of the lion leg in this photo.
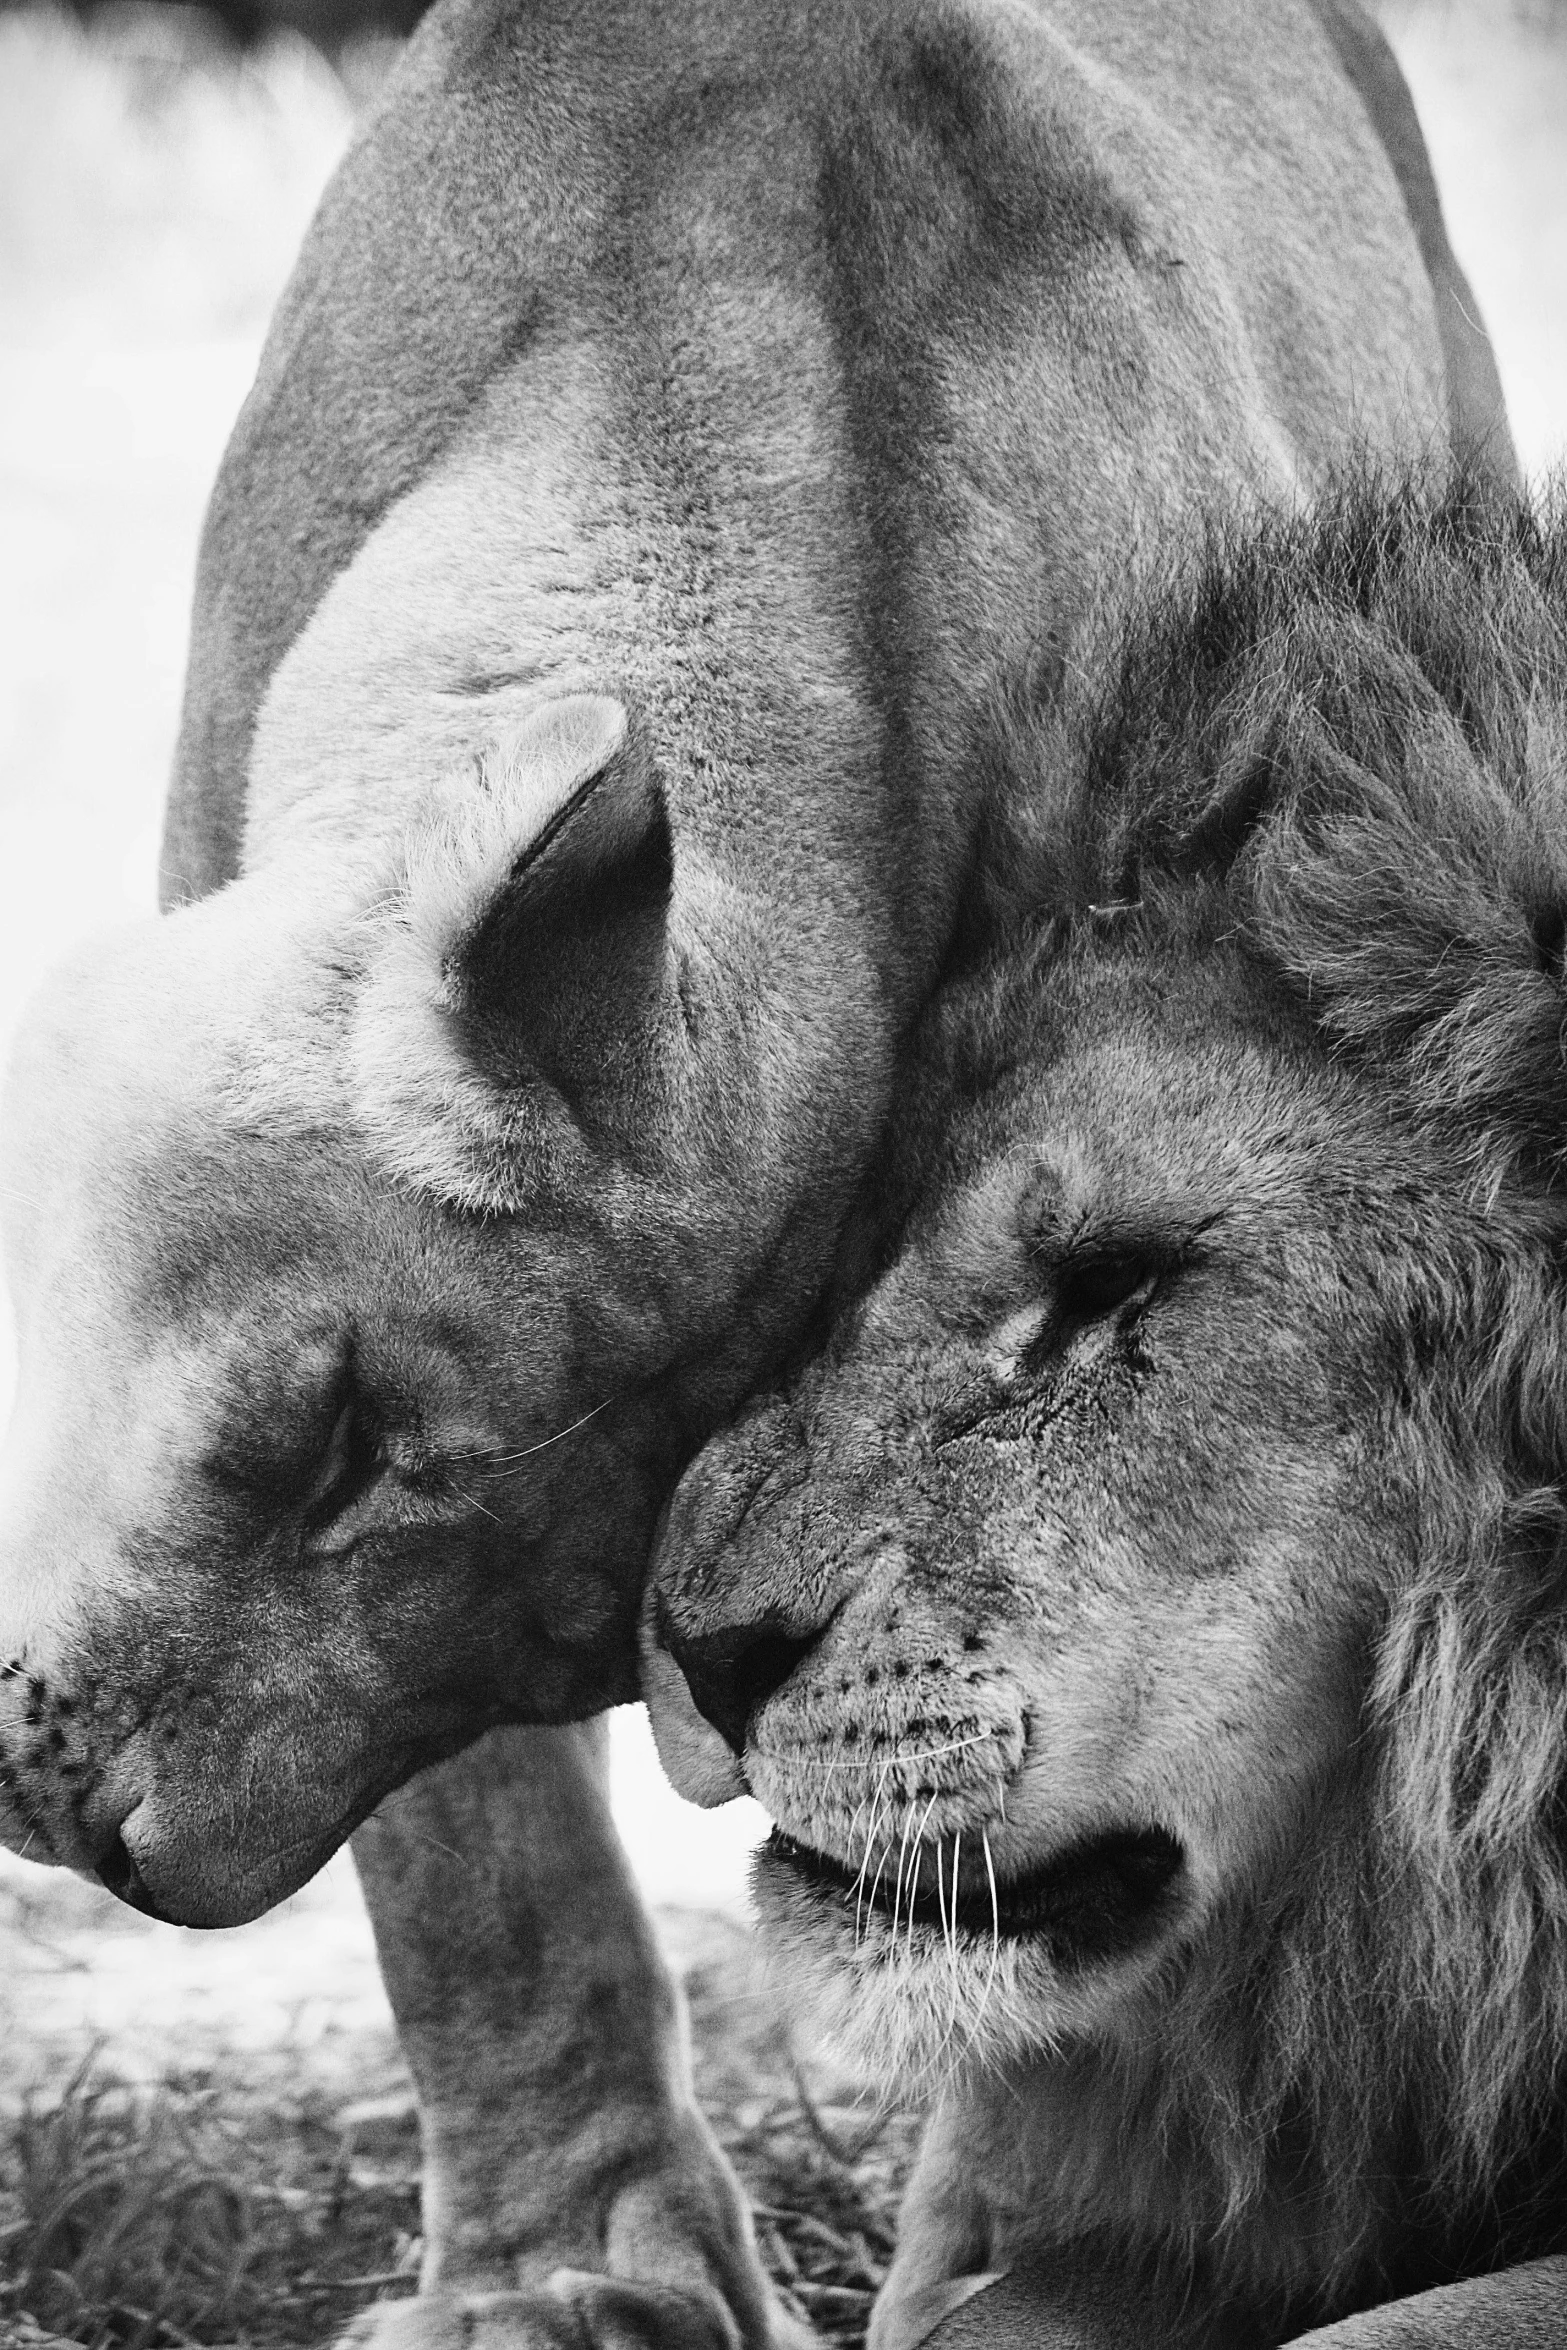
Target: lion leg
(572, 2191)
(1081, 2298)
(971, 2273)
(944, 2230)
(1523, 2308)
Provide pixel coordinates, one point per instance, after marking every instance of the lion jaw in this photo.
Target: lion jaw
(924, 1926)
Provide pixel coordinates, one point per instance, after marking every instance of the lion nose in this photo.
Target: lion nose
(732, 1672)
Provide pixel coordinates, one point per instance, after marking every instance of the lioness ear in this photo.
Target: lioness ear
(558, 973)
(525, 949)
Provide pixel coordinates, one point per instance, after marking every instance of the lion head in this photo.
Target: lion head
(1147, 1622)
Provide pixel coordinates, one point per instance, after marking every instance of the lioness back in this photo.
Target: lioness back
(774, 315)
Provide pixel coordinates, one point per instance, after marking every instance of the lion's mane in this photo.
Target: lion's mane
(1346, 736)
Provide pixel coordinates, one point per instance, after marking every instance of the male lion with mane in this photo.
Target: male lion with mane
(683, 428)
(1147, 1621)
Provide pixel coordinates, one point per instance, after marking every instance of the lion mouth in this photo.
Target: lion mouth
(1095, 1901)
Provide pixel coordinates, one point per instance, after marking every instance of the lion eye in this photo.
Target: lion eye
(1088, 1288)
(348, 1466)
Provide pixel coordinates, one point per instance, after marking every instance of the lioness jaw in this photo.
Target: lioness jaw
(1126, 1618)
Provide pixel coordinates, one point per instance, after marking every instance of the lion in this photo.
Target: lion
(683, 428)
(1146, 1622)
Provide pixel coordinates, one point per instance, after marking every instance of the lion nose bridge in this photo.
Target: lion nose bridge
(758, 1558)
(738, 1636)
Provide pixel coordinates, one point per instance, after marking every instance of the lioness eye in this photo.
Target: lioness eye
(1088, 1288)
(348, 1466)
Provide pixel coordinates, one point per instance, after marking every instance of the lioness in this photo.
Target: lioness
(683, 425)
(1147, 1623)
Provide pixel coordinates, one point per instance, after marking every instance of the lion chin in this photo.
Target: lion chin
(937, 1908)
(1147, 1621)
(915, 1964)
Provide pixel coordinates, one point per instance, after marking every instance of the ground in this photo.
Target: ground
(209, 2138)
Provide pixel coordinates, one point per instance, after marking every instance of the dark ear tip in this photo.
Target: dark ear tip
(568, 955)
(613, 826)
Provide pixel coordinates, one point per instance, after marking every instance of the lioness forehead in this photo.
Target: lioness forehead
(141, 1188)
(114, 1109)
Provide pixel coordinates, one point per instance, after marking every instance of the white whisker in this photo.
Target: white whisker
(897, 1891)
(995, 1929)
(915, 1878)
(995, 1956)
(503, 1462)
(954, 1974)
(912, 1755)
(952, 1943)
(870, 1846)
(886, 1855)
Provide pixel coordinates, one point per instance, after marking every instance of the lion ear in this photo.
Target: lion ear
(527, 949)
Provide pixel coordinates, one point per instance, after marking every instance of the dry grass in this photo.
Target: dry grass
(193, 2213)
(253, 2207)
(825, 2175)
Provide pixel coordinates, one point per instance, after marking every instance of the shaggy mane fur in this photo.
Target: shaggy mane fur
(1343, 741)
(1351, 728)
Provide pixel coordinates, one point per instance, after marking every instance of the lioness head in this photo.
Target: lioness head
(1147, 1624)
(366, 1311)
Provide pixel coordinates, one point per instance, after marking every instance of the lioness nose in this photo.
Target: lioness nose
(734, 1671)
(118, 1871)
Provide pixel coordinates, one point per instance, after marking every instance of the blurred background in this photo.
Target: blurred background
(158, 165)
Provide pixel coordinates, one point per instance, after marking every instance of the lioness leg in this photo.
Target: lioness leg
(562, 2144)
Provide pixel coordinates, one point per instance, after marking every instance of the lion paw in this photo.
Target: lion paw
(573, 2311)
